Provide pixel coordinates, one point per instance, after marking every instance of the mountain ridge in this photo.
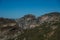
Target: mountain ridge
(30, 27)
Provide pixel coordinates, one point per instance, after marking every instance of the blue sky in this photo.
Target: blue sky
(19, 8)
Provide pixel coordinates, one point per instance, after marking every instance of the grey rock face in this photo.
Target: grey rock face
(26, 22)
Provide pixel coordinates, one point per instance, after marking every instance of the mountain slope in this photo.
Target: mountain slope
(49, 28)
(29, 27)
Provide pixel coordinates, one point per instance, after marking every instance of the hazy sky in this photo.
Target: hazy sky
(18, 8)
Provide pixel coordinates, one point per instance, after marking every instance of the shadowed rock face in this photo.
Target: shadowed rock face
(8, 29)
(45, 27)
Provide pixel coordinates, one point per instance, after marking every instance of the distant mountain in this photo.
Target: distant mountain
(30, 27)
(5, 22)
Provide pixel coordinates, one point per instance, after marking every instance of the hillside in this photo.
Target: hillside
(30, 27)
